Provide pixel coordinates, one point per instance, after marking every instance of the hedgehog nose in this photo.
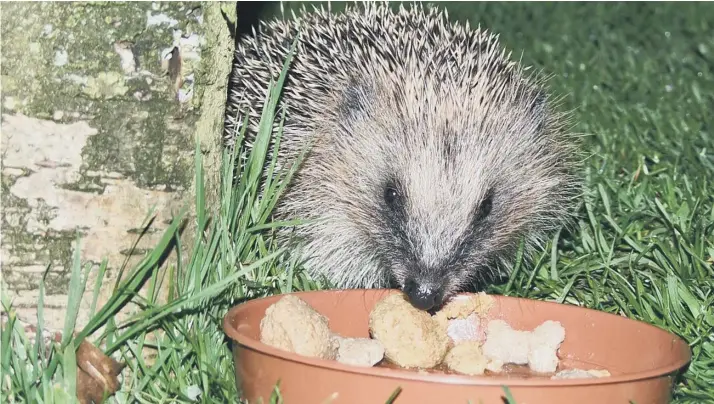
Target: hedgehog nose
(423, 296)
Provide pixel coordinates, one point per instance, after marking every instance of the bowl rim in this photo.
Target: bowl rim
(410, 375)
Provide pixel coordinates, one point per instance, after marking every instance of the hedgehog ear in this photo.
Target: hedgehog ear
(540, 103)
(355, 99)
(539, 110)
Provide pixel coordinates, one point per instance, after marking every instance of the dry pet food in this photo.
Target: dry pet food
(462, 317)
(459, 337)
(292, 325)
(411, 337)
(467, 358)
(359, 351)
(535, 348)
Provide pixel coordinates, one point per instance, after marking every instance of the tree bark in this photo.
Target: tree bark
(101, 107)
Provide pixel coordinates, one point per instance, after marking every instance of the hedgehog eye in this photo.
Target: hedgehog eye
(485, 208)
(390, 196)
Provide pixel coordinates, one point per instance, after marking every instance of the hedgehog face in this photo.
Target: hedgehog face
(421, 185)
(438, 214)
(433, 248)
(452, 191)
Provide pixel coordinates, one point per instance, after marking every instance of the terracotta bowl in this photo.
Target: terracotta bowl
(642, 359)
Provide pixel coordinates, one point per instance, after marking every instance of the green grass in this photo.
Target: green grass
(234, 258)
(639, 77)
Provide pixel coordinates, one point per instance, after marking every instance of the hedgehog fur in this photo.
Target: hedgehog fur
(432, 154)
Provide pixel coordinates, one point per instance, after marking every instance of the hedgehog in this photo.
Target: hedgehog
(433, 156)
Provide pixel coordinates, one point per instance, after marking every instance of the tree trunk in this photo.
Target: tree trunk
(101, 107)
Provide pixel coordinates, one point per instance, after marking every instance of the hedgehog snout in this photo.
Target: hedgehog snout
(424, 295)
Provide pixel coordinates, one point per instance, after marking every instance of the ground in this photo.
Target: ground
(639, 79)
